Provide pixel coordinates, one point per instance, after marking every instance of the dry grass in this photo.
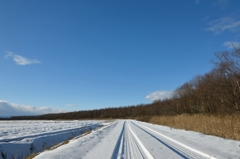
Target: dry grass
(226, 126)
(52, 148)
(32, 156)
(61, 144)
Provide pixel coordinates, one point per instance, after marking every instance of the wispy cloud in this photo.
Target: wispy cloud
(159, 95)
(20, 60)
(221, 3)
(224, 24)
(71, 105)
(12, 109)
(231, 44)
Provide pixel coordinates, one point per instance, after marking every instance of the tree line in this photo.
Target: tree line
(216, 92)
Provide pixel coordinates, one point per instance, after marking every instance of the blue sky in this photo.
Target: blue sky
(80, 55)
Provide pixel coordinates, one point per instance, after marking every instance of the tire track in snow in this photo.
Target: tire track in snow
(129, 145)
(145, 151)
(176, 142)
(185, 156)
(132, 149)
(117, 153)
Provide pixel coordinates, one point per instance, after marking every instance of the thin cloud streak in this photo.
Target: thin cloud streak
(159, 95)
(231, 44)
(71, 105)
(226, 23)
(12, 109)
(221, 3)
(20, 60)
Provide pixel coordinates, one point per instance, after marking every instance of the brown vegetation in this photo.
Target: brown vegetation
(226, 126)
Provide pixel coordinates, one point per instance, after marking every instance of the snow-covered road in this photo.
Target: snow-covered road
(134, 139)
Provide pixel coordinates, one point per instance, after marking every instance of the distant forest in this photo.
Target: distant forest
(216, 92)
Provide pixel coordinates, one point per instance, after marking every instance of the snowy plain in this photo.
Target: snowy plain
(19, 139)
(116, 140)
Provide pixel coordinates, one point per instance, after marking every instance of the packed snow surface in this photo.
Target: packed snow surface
(122, 139)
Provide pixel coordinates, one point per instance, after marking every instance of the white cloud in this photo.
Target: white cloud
(71, 105)
(230, 44)
(159, 95)
(224, 24)
(12, 109)
(20, 60)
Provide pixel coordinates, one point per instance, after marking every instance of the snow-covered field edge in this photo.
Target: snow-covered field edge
(28, 146)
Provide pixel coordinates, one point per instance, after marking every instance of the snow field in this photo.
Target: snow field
(19, 139)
